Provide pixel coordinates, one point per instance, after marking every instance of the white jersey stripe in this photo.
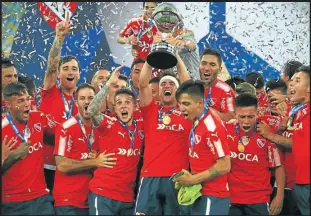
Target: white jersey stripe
(219, 149)
(62, 146)
(208, 207)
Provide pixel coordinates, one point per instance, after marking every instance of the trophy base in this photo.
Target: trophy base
(162, 56)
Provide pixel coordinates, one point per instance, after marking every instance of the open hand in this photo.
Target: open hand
(62, 28)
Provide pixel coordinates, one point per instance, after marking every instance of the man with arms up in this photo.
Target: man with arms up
(166, 150)
(251, 157)
(208, 151)
(58, 100)
(73, 143)
(219, 96)
(112, 190)
(24, 189)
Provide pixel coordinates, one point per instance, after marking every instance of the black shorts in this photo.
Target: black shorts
(249, 209)
(49, 179)
(301, 194)
(210, 205)
(39, 206)
(71, 210)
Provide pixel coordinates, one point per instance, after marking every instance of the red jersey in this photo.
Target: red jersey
(166, 146)
(52, 103)
(138, 26)
(222, 96)
(118, 183)
(263, 104)
(25, 179)
(301, 145)
(249, 178)
(210, 144)
(70, 142)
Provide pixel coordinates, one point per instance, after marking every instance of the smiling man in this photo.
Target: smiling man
(208, 151)
(219, 96)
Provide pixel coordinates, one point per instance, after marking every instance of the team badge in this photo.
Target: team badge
(261, 143)
(37, 127)
(245, 140)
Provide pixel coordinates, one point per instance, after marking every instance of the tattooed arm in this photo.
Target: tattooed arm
(19, 153)
(62, 30)
(95, 105)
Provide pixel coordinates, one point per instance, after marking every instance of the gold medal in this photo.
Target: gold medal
(290, 124)
(245, 140)
(241, 147)
(166, 120)
(130, 152)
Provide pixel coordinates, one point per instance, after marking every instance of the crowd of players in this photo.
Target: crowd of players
(112, 146)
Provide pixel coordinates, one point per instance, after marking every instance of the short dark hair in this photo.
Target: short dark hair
(246, 100)
(83, 86)
(256, 79)
(125, 91)
(154, 80)
(29, 83)
(214, 52)
(305, 69)
(290, 67)
(194, 88)
(137, 61)
(278, 84)
(14, 89)
(68, 59)
(6, 63)
(234, 81)
(167, 73)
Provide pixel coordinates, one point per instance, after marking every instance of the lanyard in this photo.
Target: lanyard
(90, 140)
(208, 98)
(135, 91)
(131, 133)
(141, 31)
(17, 132)
(161, 114)
(238, 132)
(195, 124)
(296, 108)
(67, 109)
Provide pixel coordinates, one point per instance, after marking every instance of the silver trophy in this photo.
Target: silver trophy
(162, 54)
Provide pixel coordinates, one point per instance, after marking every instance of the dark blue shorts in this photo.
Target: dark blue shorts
(301, 194)
(157, 196)
(101, 205)
(71, 210)
(39, 206)
(249, 209)
(210, 205)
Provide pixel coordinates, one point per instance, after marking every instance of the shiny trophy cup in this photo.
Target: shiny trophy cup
(162, 54)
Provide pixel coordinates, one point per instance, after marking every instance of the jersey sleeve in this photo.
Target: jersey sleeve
(128, 30)
(63, 142)
(227, 103)
(95, 145)
(216, 136)
(275, 157)
(106, 123)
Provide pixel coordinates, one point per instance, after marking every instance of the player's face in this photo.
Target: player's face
(69, 74)
(167, 90)
(209, 68)
(190, 108)
(19, 106)
(149, 8)
(119, 85)
(136, 73)
(8, 75)
(155, 91)
(272, 104)
(260, 93)
(299, 88)
(100, 79)
(124, 107)
(246, 117)
(84, 98)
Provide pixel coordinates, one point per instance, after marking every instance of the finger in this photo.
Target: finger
(4, 141)
(110, 163)
(110, 159)
(119, 68)
(109, 154)
(11, 145)
(67, 17)
(107, 166)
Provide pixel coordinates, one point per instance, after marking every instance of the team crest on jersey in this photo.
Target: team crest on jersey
(261, 143)
(176, 112)
(141, 134)
(37, 127)
(212, 101)
(197, 139)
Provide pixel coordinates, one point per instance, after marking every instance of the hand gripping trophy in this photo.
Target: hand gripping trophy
(162, 54)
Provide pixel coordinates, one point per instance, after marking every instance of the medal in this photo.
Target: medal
(26, 134)
(166, 120)
(241, 147)
(191, 152)
(290, 124)
(91, 139)
(130, 152)
(245, 140)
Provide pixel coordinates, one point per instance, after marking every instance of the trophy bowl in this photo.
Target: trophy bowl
(162, 54)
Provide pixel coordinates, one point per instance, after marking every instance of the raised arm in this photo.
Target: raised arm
(95, 105)
(62, 30)
(182, 71)
(145, 92)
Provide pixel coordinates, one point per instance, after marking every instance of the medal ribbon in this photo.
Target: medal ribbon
(194, 125)
(161, 114)
(131, 133)
(67, 109)
(296, 108)
(208, 98)
(17, 132)
(141, 31)
(135, 91)
(84, 132)
(238, 132)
